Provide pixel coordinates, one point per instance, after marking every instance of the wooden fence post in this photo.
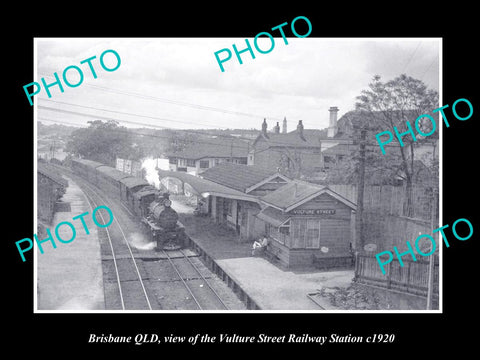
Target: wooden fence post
(356, 273)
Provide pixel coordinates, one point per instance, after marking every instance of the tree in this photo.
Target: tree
(103, 142)
(179, 140)
(290, 162)
(391, 104)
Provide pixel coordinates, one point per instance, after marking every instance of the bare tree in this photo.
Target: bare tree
(291, 162)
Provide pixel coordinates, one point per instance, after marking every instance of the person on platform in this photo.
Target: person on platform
(260, 244)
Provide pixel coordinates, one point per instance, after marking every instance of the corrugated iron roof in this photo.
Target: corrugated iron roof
(297, 192)
(273, 216)
(291, 194)
(206, 187)
(236, 176)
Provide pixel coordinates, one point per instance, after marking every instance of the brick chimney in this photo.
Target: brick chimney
(276, 128)
(284, 126)
(332, 126)
(264, 127)
(300, 129)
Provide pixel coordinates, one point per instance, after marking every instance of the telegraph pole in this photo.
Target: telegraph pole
(52, 150)
(360, 193)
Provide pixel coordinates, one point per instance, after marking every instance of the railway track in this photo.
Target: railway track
(197, 299)
(129, 263)
(150, 280)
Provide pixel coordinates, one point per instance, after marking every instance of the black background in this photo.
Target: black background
(67, 334)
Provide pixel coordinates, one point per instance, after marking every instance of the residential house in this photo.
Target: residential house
(297, 153)
(208, 152)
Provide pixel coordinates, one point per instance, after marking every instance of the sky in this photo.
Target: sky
(177, 83)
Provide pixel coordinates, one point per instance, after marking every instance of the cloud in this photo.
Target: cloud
(299, 80)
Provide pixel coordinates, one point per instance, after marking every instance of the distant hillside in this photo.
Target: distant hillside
(54, 129)
(156, 142)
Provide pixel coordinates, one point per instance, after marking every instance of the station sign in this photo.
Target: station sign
(313, 211)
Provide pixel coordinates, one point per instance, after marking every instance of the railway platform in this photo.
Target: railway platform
(70, 276)
(260, 283)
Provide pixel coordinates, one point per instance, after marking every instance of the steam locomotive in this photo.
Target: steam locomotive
(162, 222)
(152, 207)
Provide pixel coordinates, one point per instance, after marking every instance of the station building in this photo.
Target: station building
(253, 181)
(229, 193)
(305, 223)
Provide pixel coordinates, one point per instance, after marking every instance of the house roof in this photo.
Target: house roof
(237, 176)
(298, 192)
(220, 147)
(293, 139)
(51, 174)
(206, 187)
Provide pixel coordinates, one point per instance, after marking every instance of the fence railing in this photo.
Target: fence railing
(390, 199)
(412, 277)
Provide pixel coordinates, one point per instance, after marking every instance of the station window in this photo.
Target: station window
(285, 228)
(204, 164)
(228, 206)
(306, 234)
(191, 162)
(312, 234)
(280, 234)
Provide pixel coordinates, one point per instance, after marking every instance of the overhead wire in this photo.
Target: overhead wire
(126, 113)
(198, 141)
(411, 57)
(173, 102)
(273, 142)
(129, 131)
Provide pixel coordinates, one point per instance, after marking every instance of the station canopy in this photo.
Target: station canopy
(204, 187)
